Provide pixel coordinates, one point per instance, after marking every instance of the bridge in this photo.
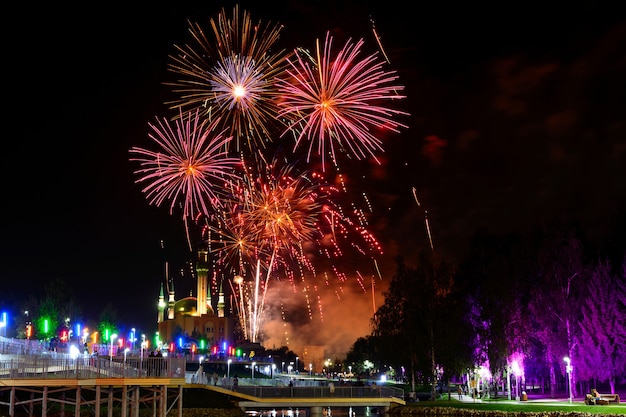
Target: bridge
(313, 396)
(34, 382)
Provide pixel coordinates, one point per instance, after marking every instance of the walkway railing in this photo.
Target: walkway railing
(55, 366)
(347, 391)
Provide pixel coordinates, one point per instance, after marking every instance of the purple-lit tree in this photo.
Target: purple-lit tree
(601, 342)
(494, 276)
(555, 299)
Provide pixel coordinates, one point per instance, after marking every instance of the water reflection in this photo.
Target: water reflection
(327, 411)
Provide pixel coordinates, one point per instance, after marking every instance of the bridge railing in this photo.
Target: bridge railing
(341, 391)
(87, 367)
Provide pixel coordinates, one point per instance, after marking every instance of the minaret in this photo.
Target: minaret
(209, 307)
(202, 271)
(220, 303)
(161, 306)
(171, 301)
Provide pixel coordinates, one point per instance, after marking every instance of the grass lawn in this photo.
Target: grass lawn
(527, 407)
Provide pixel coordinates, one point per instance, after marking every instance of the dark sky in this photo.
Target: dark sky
(517, 114)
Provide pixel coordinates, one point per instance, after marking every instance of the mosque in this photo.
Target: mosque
(193, 320)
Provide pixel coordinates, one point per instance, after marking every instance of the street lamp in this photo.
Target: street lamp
(518, 372)
(113, 336)
(310, 369)
(132, 339)
(297, 364)
(4, 323)
(143, 346)
(228, 374)
(508, 377)
(289, 369)
(568, 369)
(253, 365)
(282, 369)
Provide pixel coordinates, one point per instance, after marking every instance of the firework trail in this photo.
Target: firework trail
(335, 101)
(231, 75)
(430, 238)
(377, 37)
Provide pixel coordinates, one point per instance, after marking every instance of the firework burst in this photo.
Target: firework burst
(335, 102)
(271, 213)
(281, 224)
(190, 168)
(231, 75)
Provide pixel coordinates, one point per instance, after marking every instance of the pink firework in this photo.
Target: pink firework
(336, 102)
(231, 75)
(191, 166)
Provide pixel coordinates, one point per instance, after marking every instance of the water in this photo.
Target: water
(327, 411)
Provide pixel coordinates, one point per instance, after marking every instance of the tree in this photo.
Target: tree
(419, 319)
(555, 297)
(373, 352)
(601, 342)
(494, 278)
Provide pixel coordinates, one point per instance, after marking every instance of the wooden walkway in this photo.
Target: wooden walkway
(36, 385)
(38, 397)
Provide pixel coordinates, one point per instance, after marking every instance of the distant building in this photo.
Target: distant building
(313, 356)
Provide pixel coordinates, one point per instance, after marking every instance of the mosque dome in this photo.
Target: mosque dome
(188, 306)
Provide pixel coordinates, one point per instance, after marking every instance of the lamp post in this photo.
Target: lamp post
(4, 324)
(228, 372)
(282, 369)
(518, 372)
(297, 364)
(132, 339)
(143, 346)
(508, 381)
(568, 369)
(253, 365)
(113, 336)
(310, 369)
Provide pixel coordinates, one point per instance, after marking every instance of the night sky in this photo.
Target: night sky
(517, 115)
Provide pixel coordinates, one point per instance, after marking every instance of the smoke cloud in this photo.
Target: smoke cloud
(331, 316)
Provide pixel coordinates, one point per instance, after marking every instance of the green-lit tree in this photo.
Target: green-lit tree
(107, 323)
